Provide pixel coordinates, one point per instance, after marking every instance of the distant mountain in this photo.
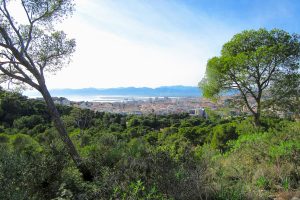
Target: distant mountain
(164, 91)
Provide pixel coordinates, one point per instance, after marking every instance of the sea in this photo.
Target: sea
(107, 99)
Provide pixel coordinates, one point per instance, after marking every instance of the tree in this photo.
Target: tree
(254, 62)
(32, 48)
(290, 102)
(82, 117)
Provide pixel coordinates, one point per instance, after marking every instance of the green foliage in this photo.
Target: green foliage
(20, 143)
(28, 122)
(222, 134)
(247, 127)
(230, 193)
(262, 182)
(149, 157)
(137, 191)
(265, 160)
(262, 65)
(27, 171)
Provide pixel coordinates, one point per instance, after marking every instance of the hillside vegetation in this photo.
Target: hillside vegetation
(144, 157)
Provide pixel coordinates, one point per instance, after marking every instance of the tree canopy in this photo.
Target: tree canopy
(256, 63)
(32, 47)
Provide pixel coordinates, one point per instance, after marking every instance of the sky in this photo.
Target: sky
(154, 43)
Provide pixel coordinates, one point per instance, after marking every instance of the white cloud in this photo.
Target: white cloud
(148, 43)
(116, 48)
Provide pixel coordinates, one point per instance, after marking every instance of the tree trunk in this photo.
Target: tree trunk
(257, 114)
(257, 119)
(87, 175)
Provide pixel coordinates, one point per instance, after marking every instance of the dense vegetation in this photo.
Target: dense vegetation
(144, 157)
(263, 66)
(85, 155)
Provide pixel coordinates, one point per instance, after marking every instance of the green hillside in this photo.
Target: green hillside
(144, 157)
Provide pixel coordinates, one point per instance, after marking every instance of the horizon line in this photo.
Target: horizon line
(137, 87)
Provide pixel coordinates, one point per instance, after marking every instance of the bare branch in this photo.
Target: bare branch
(30, 27)
(10, 20)
(244, 95)
(27, 13)
(270, 74)
(8, 62)
(22, 79)
(6, 38)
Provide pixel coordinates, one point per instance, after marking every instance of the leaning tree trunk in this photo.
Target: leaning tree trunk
(87, 175)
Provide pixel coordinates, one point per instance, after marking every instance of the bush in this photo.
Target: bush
(222, 134)
(264, 161)
(28, 122)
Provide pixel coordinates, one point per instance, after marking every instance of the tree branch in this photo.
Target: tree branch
(30, 27)
(244, 96)
(27, 13)
(22, 79)
(17, 54)
(7, 15)
(6, 38)
(265, 83)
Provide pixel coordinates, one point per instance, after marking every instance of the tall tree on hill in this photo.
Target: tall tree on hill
(256, 62)
(32, 48)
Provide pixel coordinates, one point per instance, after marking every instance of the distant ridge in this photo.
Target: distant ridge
(163, 91)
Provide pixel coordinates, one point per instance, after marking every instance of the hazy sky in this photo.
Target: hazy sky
(159, 42)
